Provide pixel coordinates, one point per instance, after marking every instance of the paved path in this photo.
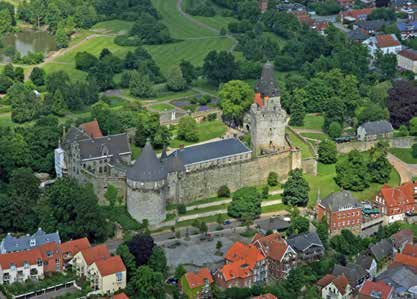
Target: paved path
(406, 171)
(307, 130)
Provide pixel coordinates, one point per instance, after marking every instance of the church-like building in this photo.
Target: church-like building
(188, 173)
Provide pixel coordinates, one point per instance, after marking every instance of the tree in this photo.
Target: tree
(403, 131)
(22, 100)
(327, 152)
(5, 83)
(402, 102)
(265, 192)
(179, 271)
(372, 112)
(61, 36)
(14, 152)
(37, 76)
(387, 64)
(223, 191)
(414, 150)
(188, 71)
(187, 129)
(8, 71)
(413, 126)
(219, 246)
(147, 283)
(158, 260)
(235, 99)
(5, 21)
(85, 15)
(245, 202)
(299, 225)
(141, 246)
(127, 257)
(72, 210)
(111, 195)
(272, 179)
(220, 67)
(296, 189)
(140, 85)
(19, 74)
(176, 81)
(335, 130)
(58, 106)
(379, 168)
(85, 61)
(203, 228)
(351, 173)
(323, 231)
(149, 30)
(297, 109)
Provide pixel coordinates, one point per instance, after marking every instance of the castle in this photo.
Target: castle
(186, 174)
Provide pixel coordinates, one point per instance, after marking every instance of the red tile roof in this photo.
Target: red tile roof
(272, 245)
(410, 250)
(74, 246)
(340, 282)
(110, 265)
(198, 279)
(92, 129)
(371, 287)
(265, 296)
(357, 13)
(93, 254)
(408, 53)
(397, 197)
(387, 40)
(258, 100)
(50, 253)
(325, 280)
(406, 260)
(120, 296)
(305, 19)
(19, 258)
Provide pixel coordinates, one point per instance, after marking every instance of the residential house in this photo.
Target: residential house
(373, 130)
(355, 274)
(273, 224)
(405, 260)
(308, 246)
(410, 250)
(342, 211)
(382, 251)
(346, 4)
(119, 296)
(263, 5)
(92, 129)
(245, 265)
(373, 290)
(407, 29)
(51, 257)
(85, 258)
(372, 27)
(385, 43)
(395, 202)
(280, 256)
(320, 26)
(335, 287)
(291, 7)
(70, 248)
(21, 266)
(355, 15)
(402, 238)
(357, 36)
(265, 296)
(198, 284)
(27, 242)
(407, 60)
(401, 279)
(107, 276)
(368, 263)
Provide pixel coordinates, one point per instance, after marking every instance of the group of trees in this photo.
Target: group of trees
(402, 102)
(246, 204)
(296, 189)
(358, 171)
(9, 76)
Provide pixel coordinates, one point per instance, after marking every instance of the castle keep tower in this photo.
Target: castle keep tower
(147, 187)
(267, 118)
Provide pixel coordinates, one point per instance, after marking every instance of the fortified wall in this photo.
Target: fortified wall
(362, 146)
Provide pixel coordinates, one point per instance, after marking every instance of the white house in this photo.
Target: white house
(335, 287)
(386, 43)
(373, 130)
(407, 60)
(20, 266)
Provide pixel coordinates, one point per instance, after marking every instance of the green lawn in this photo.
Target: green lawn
(274, 208)
(6, 119)
(404, 154)
(317, 136)
(298, 142)
(313, 122)
(206, 130)
(163, 96)
(113, 26)
(205, 210)
(162, 107)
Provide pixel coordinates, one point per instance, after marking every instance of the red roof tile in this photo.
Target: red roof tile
(387, 40)
(19, 258)
(273, 246)
(110, 265)
(198, 279)
(92, 129)
(325, 280)
(93, 254)
(305, 19)
(50, 253)
(258, 100)
(74, 246)
(405, 260)
(410, 250)
(358, 13)
(120, 296)
(340, 282)
(371, 287)
(398, 196)
(408, 53)
(265, 296)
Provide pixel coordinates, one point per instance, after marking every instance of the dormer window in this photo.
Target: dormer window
(12, 266)
(26, 265)
(32, 242)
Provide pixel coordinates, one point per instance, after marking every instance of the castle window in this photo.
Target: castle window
(100, 169)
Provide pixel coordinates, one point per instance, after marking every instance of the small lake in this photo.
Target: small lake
(28, 41)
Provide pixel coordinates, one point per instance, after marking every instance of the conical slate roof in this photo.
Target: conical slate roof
(147, 167)
(267, 85)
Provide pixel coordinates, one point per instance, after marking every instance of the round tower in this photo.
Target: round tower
(146, 187)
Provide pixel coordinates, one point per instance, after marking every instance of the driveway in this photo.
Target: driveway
(406, 171)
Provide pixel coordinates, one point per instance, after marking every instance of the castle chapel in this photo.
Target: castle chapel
(186, 174)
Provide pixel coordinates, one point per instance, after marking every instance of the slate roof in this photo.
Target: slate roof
(74, 135)
(267, 84)
(382, 249)
(147, 167)
(275, 223)
(116, 144)
(365, 261)
(377, 127)
(401, 238)
(210, 151)
(357, 35)
(353, 272)
(12, 244)
(407, 26)
(340, 201)
(374, 25)
(304, 241)
(398, 277)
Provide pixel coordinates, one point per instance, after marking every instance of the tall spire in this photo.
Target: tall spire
(267, 85)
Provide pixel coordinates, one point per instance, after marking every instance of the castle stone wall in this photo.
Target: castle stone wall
(205, 183)
(401, 142)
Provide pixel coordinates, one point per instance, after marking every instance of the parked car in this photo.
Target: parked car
(227, 222)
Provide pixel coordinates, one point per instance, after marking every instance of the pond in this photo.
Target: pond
(28, 41)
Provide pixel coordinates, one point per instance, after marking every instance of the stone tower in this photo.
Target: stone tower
(147, 187)
(267, 118)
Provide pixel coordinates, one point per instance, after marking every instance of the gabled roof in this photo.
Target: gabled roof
(74, 135)
(410, 249)
(50, 253)
(273, 246)
(382, 249)
(120, 296)
(198, 279)
(338, 201)
(398, 277)
(407, 26)
(374, 289)
(358, 13)
(405, 260)
(112, 144)
(353, 272)
(265, 296)
(75, 246)
(409, 53)
(96, 253)
(387, 40)
(92, 129)
(377, 127)
(357, 35)
(18, 259)
(111, 265)
(340, 282)
(11, 244)
(304, 241)
(267, 85)
(402, 237)
(365, 261)
(373, 25)
(398, 196)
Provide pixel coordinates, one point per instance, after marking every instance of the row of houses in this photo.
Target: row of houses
(35, 256)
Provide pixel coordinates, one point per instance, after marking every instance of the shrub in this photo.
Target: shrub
(272, 179)
(223, 191)
(265, 192)
(212, 116)
(327, 152)
(414, 150)
(181, 209)
(127, 41)
(335, 130)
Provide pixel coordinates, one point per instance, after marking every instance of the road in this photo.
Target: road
(406, 171)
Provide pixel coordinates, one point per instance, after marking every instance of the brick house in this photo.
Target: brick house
(280, 256)
(395, 202)
(407, 60)
(341, 211)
